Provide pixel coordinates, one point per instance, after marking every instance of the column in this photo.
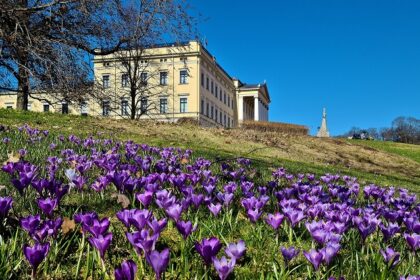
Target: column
(240, 108)
(256, 109)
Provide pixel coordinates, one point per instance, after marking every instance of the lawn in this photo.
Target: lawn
(404, 150)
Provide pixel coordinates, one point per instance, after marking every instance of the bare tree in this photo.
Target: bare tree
(146, 24)
(406, 130)
(44, 43)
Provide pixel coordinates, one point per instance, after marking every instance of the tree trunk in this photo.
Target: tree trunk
(23, 80)
(133, 104)
(23, 89)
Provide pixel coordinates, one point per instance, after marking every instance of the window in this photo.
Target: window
(183, 104)
(207, 110)
(221, 95)
(229, 121)
(215, 115)
(64, 108)
(105, 108)
(224, 98)
(202, 79)
(228, 101)
(143, 105)
(224, 120)
(124, 107)
(105, 81)
(84, 108)
(143, 78)
(212, 86)
(220, 118)
(211, 112)
(163, 105)
(29, 106)
(124, 80)
(163, 78)
(216, 90)
(202, 107)
(9, 105)
(183, 77)
(46, 107)
(207, 83)
(107, 64)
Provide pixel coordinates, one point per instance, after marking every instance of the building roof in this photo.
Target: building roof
(256, 87)
(250, 86)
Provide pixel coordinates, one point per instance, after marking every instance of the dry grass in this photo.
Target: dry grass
(270, 146)
(284, 128)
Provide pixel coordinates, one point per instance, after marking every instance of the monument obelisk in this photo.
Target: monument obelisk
(323, 131)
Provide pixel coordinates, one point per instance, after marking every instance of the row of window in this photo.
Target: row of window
(106, 106)
(144, 62)
(213, 87)
(163, 106)
(214, 114)
(163, 79)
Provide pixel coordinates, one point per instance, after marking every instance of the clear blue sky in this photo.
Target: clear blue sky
(358, 58)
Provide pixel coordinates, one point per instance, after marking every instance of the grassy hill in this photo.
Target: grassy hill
(372, 162)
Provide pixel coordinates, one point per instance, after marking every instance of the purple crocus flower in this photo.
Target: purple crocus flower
(391, 257)
(98, 227)
(223, 266)
(320, 235)
(208, 248)
(145, 198)
(101, 243)
(413, 240)
(48, 228)
(5, 205)
(174, 211)
(253, 215)
(329, 252)
(36, 254)
(158, 261)
(142, 240)
(185, 228)
(215, 208)
(157, 226)
(47, 205)
(289, 253)
(294, 215)
(86, 220)
(274, 220)
(9, 168)
(126, 271)
(314, 257)
(236, 251)
(197, 199)
(366, 226)
(134, 217)
(389, 231)
(412, 224)
(30, 223)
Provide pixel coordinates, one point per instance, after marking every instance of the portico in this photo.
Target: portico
(253, 101)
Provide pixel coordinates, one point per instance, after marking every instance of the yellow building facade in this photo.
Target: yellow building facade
(183, 81)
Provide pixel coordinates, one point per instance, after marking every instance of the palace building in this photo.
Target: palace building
(182, 81)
